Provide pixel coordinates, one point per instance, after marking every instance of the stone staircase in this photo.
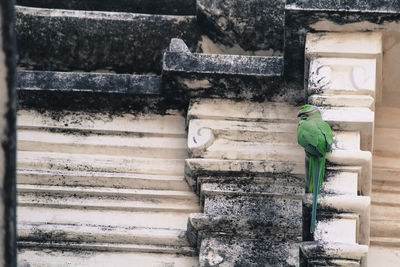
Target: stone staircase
(100, 177)
(98, 184)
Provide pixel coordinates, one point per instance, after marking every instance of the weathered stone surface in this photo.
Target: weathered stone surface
(375, 6)
(345, 16)
(228, 76)
(330, 206)
(321, 253)
(167, 7)
(253, 25)
(8, 253)
(235, 252)
(51, 39)
(89, 82)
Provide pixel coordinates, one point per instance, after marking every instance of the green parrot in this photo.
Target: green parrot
(315, 135)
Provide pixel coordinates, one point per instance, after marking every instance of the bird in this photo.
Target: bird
(315, 136)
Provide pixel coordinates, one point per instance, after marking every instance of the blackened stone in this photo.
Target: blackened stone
(88, 82)
(167, 7)
(359, 5)
(231, 76)
(279, 208)
(324, 254)
(225, 252)
(254, 25)
(303, 16)
(79, 100)
(64, 40)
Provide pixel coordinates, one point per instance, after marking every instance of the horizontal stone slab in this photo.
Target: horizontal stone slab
(236, 252)
(230, 76)
(167, 7)
(246, 226)
(352, 5)
(171, 124)
(64, 40)
(221, 109)
(257, 190)
(195, 168)
(333, 250)
(106, 179)
(282, 210)
(60, 233)
(362, 101)
(88, 82)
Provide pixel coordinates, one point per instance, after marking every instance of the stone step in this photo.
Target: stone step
(107, 198)
(236, 252)
(107, 41)
(387, 117)
(286, 208)
(101, 179)
(392, 163)
(384, 212)
(64, 233)
(385, 198)
(175, 7)
(36, 257)
(387, 242)
(383, 147)
(109, 144)
(267, 190)
(106, 192)
(386, 176)
(381, 228)
(99, 163)
(170, 124)
(213, 109)
(110, 218)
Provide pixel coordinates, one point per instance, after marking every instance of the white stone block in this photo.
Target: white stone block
(342, 183)
(362, 101)
(337, 229)
(342, 76)
(344, 43)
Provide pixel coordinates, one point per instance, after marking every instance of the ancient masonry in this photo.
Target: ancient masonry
(164, 134)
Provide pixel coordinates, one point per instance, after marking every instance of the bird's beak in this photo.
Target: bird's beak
(298, 114)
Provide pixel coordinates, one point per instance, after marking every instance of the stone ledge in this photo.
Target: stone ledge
(88, 82)
(167, 7)
(235, 252)
(229, 76)
(330, 253)
(49, 39)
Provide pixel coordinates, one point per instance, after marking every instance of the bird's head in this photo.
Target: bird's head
(307, 109)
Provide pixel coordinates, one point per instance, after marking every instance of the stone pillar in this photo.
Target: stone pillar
(248, 170)
(7, 135)
(344, 73)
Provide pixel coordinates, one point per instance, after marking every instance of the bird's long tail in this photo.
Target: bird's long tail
(317, 173)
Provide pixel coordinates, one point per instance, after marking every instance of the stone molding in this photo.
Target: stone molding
(344, 78)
